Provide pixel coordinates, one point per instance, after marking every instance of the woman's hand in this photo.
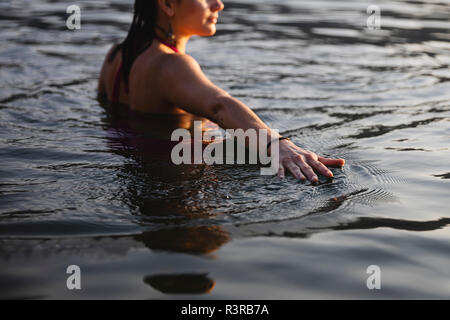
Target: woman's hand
(302, 163)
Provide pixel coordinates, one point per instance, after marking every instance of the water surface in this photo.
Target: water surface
(80, 185)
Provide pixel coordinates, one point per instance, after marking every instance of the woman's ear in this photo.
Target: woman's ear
(167, 6)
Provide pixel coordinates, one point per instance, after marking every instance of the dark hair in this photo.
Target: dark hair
(140, 35)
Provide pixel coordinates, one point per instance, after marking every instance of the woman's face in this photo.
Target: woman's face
(197, 17)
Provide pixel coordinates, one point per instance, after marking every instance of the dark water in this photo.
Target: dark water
(82, 186)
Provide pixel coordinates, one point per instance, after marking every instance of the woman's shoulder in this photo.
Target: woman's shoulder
(110, 56)
(113, 50)
(178, 66)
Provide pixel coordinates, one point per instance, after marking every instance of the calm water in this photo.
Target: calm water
(80, 185)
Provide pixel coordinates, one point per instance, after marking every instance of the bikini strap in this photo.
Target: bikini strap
(167, 44)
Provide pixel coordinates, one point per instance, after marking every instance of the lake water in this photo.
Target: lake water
(81, 186)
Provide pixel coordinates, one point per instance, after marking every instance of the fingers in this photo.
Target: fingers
(306, 169)
(321, 168)
(280, 172)
(295, 170)
(301, 166)
(332, 162)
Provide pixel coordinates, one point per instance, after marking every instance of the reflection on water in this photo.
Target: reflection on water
(181, 284)
(194, 240)
(85, 185)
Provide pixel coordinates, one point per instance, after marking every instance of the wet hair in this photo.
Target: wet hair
(140, 35)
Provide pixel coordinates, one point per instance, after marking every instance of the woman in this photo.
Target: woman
(150, 72)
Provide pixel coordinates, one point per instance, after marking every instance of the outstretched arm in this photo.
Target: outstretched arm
(185, 85)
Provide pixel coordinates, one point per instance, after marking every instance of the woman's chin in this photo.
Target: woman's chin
(210, 30)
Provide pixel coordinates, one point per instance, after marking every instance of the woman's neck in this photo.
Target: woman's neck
(179, 41)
